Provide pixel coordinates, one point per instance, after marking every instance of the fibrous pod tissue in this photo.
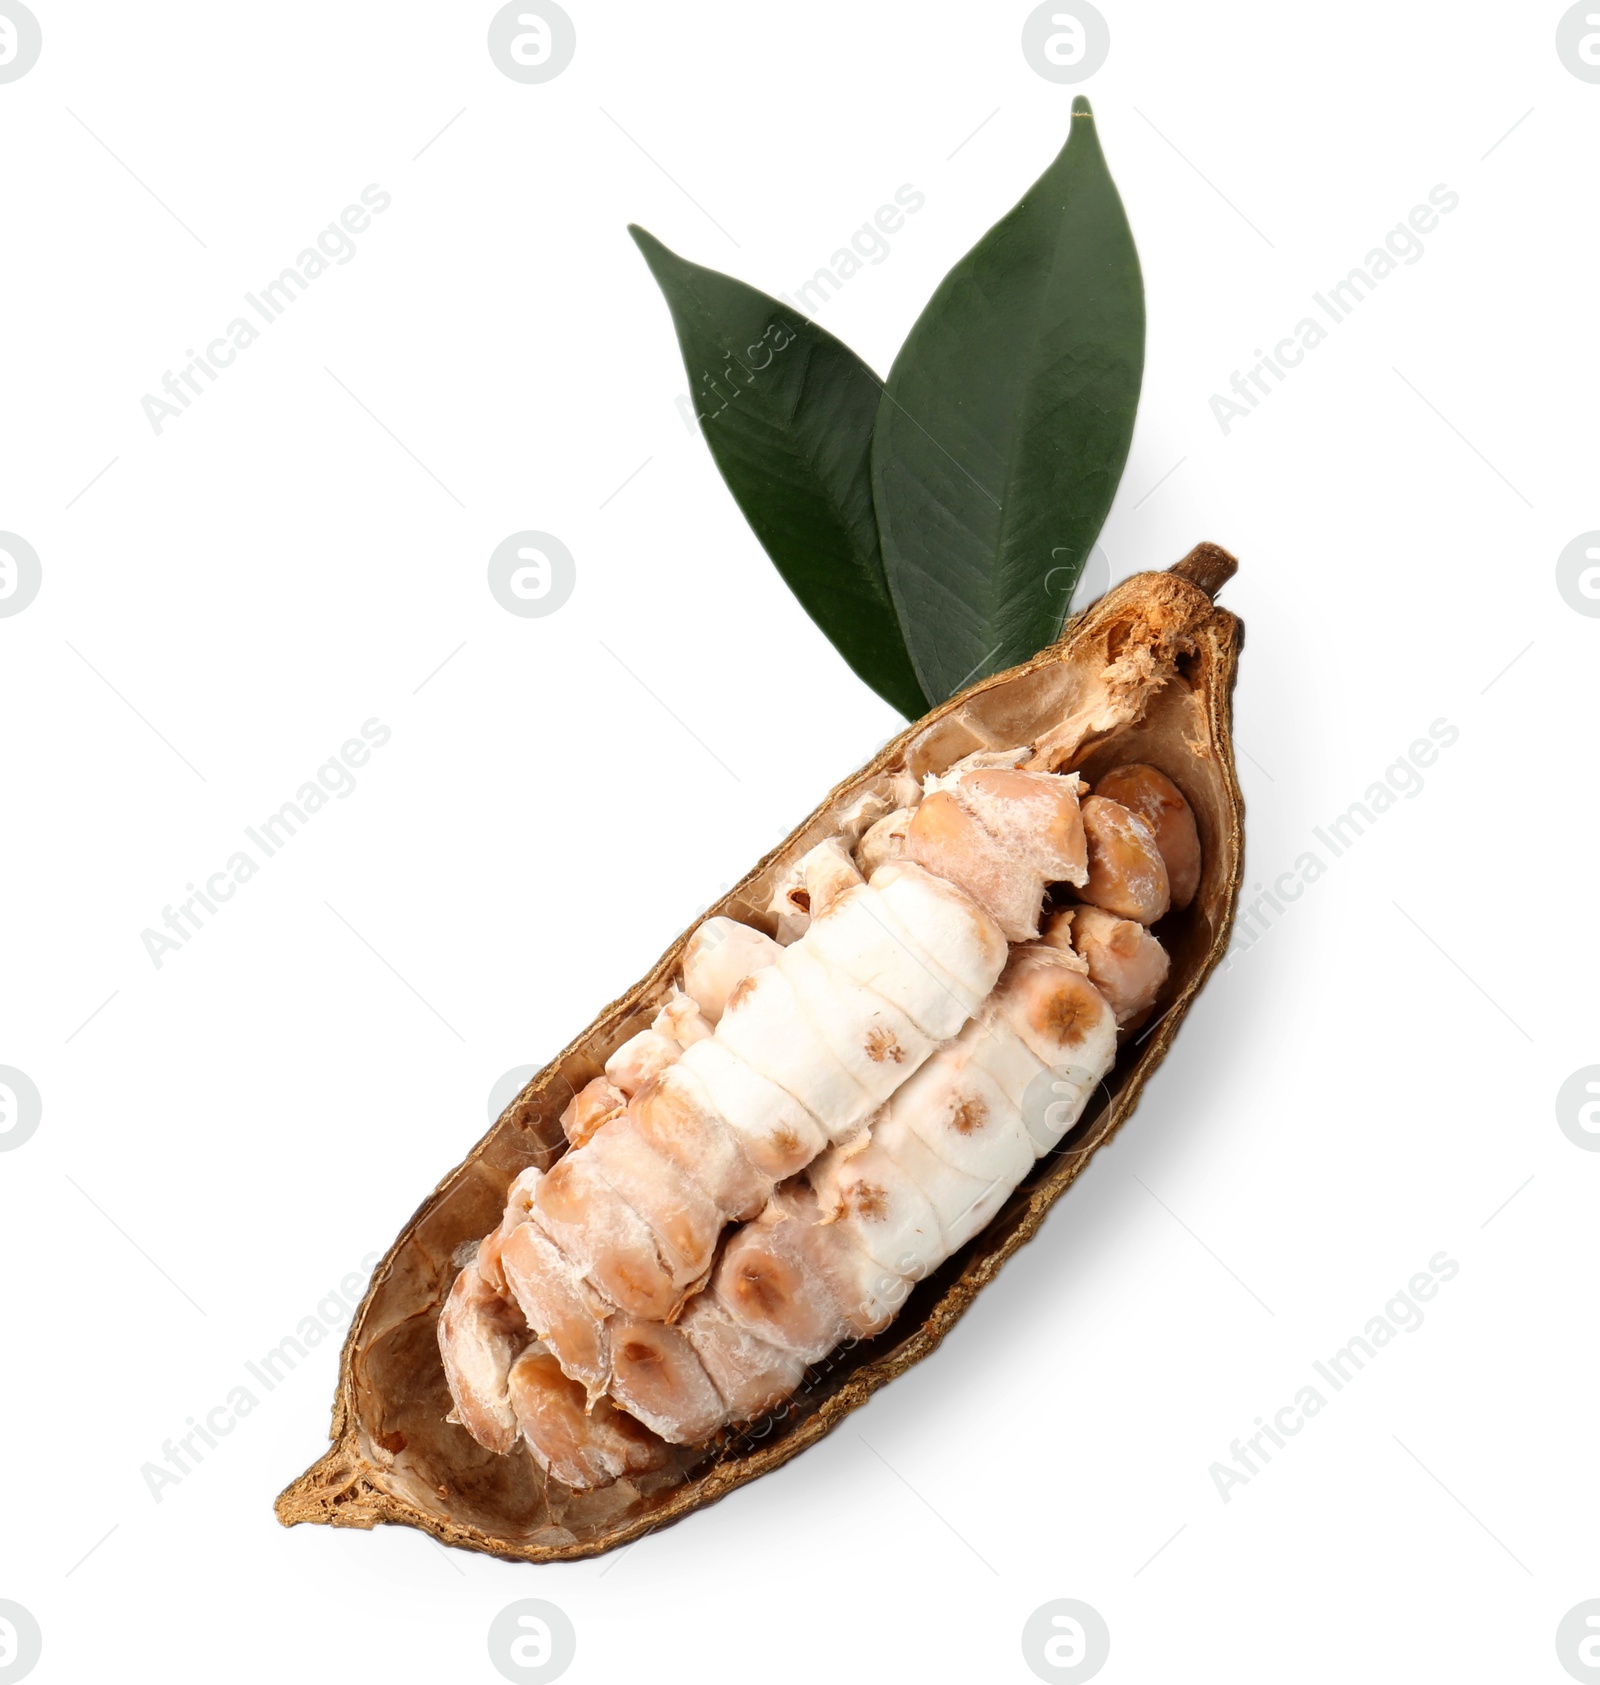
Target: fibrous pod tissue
(772, 1175)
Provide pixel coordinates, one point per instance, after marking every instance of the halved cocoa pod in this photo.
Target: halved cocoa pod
(1145, 675)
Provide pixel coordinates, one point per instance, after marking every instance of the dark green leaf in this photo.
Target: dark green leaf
(787, 411)
(1006, 420)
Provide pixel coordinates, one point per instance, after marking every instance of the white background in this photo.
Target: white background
(231, 1133)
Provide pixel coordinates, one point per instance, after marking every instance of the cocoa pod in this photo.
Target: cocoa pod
(1144, 675)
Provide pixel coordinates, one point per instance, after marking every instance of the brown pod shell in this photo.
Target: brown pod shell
(1145, 674)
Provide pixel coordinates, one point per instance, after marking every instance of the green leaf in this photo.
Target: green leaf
(787, 411)
(1006, 421)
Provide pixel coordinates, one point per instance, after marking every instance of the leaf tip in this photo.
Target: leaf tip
(1081, 106)
(660, 259)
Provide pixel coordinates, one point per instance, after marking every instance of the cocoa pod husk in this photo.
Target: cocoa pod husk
(395, 1458)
